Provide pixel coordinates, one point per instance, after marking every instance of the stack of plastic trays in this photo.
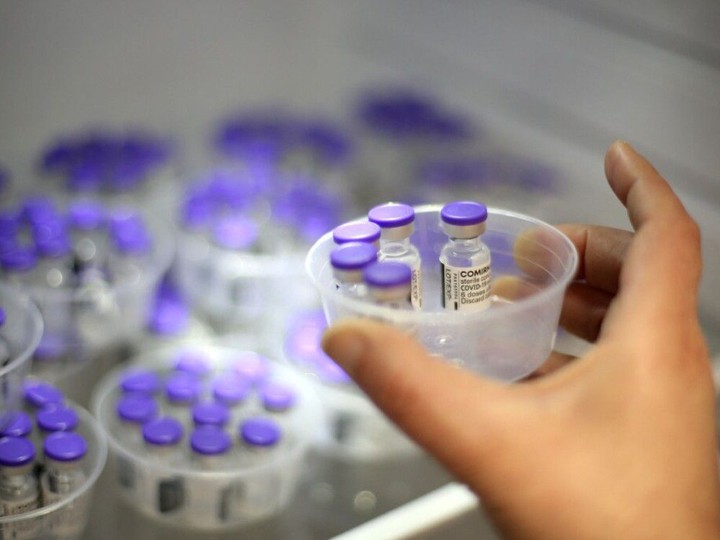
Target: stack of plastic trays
(52, 452)
(207, 438)
(242, 245)
(92, 271)
(114, 166)
(20, 331)
(399, 128)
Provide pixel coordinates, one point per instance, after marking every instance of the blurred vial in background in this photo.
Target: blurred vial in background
(117, 166)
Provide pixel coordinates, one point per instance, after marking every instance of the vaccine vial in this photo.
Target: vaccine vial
(87, 220)
(19, 492)
(182, 391)
(132, 246)
(389, 284)
(133, 411)
(357, 231)
(55, 263)
(464, 259)
(210, 446)
(396, 221)
(194, 363)
(140, 381)
(19, 264)
(63, 475)
(251, 366)
(38, 394)
(210, 413)
(16, 424)
(348, 262)
(163, 491)
(277, 397)
(56, 419)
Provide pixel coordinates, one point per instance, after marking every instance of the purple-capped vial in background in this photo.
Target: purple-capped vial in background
(396, 220)
(192, 362)
(63, 474)
(389, 284)
(357, 231)
(129, 235)
(18, 264)
(348, 262)
(139, 380)
(86, 215)
(16, 424)
(19, 491)
(38, 208)
(251, 366)
(56, 418)
(465, 259)
(277, 397)
(9, 224)
(136, 409)
(182, 389)
(39, 394)
(260, 433)
(236, 233)
(209, 441)
(231, 389)
(210, 413)
(168, 318)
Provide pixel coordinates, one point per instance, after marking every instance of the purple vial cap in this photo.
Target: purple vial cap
(58, 246)
(137, 408)
(65, 446)
(262, 432)
(9, 224)
(464, 213)
(392, 215)
(163, 431)
(40, 394)
(51, 346)
(210, 413)
(16, 451)
(182, 387)
(192, 362)
(18, 259)
(3, 317)
(353, 256)
(277, 396)
(169, 318)
(55, 418)
(365, 231)
(36, 208)
(85, 176)
(230, 389)
(142, 381)
(387, 274)
(251, 366)
(197, 212)
(235, 232)
(210, 440)
(16, 424)
(86, 215)
(132, 242)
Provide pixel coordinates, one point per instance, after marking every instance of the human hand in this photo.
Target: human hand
(617, 444)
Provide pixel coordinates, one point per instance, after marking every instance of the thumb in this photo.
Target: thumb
(446, 410)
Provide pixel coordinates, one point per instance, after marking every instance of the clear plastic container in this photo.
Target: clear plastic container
(66, 518)
(532, 264)
(211, 492)
(20, 333)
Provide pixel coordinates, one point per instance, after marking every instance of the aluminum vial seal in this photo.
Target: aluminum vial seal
(39, 394)
(137, 408)
(194, 363)
(231, 389)
(86, 215)
(277, 397)
(348, 260)
(463, 219)
(209, 440)
(164, 431)
(65, 447)
(260, 432)
(359, 231)
(16, 453)
(52, 419)
(142, 381)
(16, 424)
(237, 233)
(396, 220)
(210, 414)
(182, 388)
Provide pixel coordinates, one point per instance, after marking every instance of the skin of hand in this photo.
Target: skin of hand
(617, 444)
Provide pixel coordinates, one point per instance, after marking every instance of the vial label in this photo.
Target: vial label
(70, 520)
(416, 288)
(465, 288)
(24, 530)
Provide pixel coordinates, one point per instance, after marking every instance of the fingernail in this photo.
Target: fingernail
(344, 345)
